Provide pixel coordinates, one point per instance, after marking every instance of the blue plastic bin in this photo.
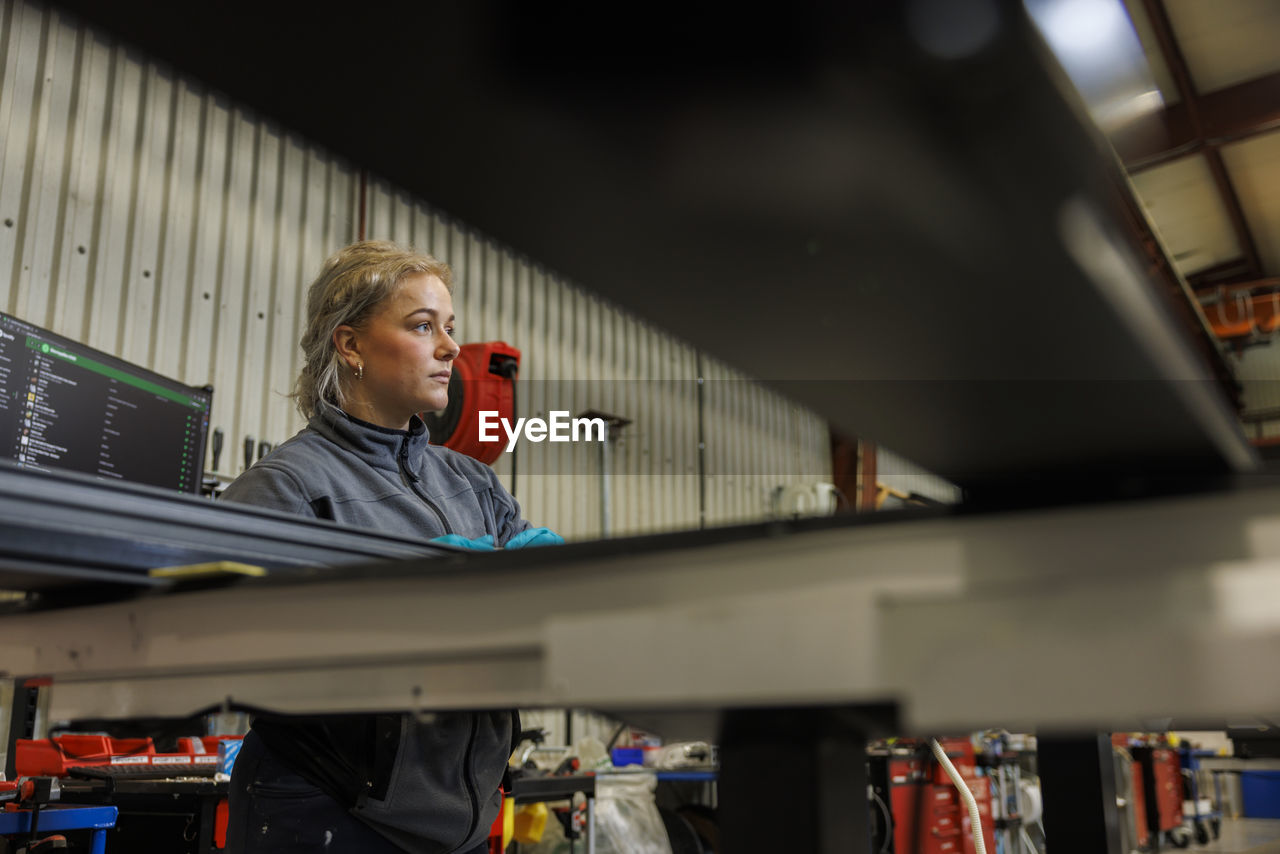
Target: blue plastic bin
(627, 756)
(1261, 793)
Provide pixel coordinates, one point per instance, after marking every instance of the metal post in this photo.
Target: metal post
(814, 795)
(22, 719)
(999, 809)
(1015, 773)
(604, 483)
(702, 445)
(613, 429)
(1079, 784)
(208, 820)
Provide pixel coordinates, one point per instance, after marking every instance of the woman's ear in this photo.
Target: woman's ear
(347, 342)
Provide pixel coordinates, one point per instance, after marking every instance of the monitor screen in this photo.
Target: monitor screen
(67, 406)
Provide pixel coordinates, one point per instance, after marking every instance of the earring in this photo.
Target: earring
(360, 371)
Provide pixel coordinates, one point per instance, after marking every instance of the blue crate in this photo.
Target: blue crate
(1261, 791)
(627, 756)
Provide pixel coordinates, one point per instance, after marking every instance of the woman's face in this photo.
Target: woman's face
(407, 350)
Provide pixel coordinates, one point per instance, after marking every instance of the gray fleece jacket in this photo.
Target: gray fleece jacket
(436, 789)
(392, 481)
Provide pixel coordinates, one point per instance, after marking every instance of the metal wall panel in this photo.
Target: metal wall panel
(154, 220)
(758, 444)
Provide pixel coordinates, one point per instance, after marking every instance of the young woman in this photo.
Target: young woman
(378, 350)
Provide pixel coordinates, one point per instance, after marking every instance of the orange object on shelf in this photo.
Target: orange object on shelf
(53, 757)
(1266, 312)
(1231, 317)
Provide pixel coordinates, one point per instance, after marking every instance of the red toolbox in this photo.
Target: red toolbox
(54, 757)
(929, 816)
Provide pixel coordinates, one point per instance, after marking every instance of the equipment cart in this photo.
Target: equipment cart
(1202, 808)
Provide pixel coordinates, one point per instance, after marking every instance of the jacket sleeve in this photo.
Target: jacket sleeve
(506, 511)
(274, 488)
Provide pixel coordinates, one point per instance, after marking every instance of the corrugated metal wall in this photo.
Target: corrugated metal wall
(155, 220)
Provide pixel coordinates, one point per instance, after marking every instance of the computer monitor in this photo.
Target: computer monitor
(67, 406)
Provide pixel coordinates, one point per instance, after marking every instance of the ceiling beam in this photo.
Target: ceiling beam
(1267, 286)
(1229, 272)
(1242, 110)
(1190, 98)
(1227, 115)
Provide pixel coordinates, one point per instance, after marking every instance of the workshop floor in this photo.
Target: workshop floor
(1244, 836)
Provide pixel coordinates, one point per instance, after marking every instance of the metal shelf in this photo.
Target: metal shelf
(1072, 605)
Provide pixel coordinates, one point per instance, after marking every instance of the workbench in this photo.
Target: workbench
(1045, 618)
(914, 623)
(60, 818)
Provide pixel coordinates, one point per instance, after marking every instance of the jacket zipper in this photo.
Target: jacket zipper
(413, 484)
(468, 776)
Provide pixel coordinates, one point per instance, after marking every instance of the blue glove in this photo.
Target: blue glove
(482, 544)
(535, 537)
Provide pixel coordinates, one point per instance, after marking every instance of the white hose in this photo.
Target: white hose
(975, 824)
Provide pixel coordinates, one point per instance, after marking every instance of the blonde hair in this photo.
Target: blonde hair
(352, 284)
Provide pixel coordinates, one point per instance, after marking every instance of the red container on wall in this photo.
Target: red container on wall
(483, 379)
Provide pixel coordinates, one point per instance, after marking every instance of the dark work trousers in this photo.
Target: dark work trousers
(272, 810)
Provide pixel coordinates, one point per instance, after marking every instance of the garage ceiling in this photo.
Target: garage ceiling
(1207, 165)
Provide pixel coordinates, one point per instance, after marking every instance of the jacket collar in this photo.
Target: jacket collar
(380, 447)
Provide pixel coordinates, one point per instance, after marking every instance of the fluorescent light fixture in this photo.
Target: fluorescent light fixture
(1096, 44)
